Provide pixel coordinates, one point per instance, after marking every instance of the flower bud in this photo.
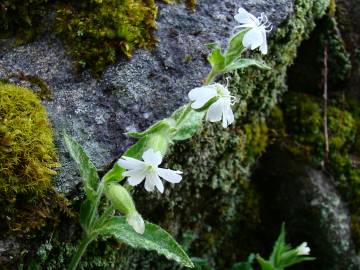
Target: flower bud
(120, 198)
(158, 142)
(135, 220)
(122, 201)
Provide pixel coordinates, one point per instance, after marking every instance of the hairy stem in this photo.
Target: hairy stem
(80, 251)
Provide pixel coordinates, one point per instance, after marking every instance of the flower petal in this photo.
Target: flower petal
(264, 46)
(149, 186)
(245, 17)
(130, 163)
(158, 183)
(228, 115)
(135, 176)
(201, 95)
(253, 38)
(214, 112)
(152, 157)
(170, 175)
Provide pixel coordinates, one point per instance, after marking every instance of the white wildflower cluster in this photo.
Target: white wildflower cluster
(215, 99)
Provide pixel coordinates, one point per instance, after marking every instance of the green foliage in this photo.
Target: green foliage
(154, 238)
(21, 17)
(282, 256)
(87, 168)
(27, 160)
(304, 136)
(231, 59)
(97, 224)
(98, 32)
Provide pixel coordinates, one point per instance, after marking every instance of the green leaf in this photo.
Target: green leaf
(154, 238)
(216, 59)
(187, 122)
(161, 125)
(137, 149)
(265, 265)
(85, 213)
(245, 265)
(279, 247)
(87, 168)
(114, 175)
(244, 62)
(235, 48)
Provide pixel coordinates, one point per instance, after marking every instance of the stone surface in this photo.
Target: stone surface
(307, 201)
(133, 94)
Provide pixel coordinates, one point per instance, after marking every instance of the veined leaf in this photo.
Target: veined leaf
(244, 62)
(114, 175)
(216, 59)
(87, 168)
(235, 48)
(85, 213)
(163, 124)
(154, 239)
(137, 149)
(187, 122)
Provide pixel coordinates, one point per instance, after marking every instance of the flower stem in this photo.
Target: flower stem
(80, 251)
(90, 236)
(211, 76)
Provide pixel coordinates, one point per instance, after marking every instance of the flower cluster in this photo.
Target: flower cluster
(214, 99)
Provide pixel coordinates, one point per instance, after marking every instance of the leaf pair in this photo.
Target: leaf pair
(231, 59)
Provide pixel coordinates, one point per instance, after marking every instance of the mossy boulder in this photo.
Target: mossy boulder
(27, 161)
(215, 210)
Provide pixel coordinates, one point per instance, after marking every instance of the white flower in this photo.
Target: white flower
(136, 221)
(138, 170)
(303, 249)
(220, 109)
(256, 36)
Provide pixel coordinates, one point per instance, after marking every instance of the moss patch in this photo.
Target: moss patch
(27, 160)
(304, 137)
(97, 32)
(22, 18)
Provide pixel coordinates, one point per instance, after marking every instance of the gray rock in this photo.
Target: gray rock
(131, 95)
(307, 201)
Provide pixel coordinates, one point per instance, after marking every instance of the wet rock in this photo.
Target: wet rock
(305, 199)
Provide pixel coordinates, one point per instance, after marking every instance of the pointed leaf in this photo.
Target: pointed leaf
(187, 122)
(87, 168)
(279, 247)
(154, 239)
(114, 175)
(243, 63)
(265, 265)
(216, 59)
(85, 213)
(137, 149)
(163, 124)
(235, 48)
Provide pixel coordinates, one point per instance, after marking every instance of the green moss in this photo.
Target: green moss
(305, 138)
(216, 201)
(27, 160)
(21, 17)
(97, 32)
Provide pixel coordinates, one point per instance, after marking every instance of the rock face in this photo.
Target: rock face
(214, 204)
(130, 95)
(307, 201)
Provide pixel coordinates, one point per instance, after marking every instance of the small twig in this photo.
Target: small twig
(325, 96)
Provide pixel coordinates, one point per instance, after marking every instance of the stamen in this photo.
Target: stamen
(233, 100)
